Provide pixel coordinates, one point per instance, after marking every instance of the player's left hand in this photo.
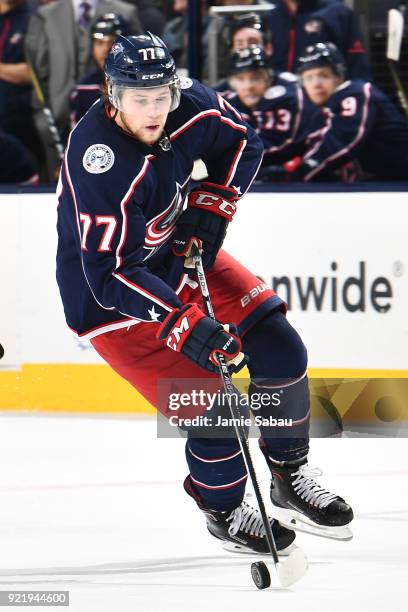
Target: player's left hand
(210, 208)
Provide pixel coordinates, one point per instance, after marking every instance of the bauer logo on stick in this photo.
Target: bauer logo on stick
(98, 158)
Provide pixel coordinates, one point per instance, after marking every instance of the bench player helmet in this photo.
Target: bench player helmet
(321, 55)
(246, 20)
(140, 62)
(110, 24)
(248, 60)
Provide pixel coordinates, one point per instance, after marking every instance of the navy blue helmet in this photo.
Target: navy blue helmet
(248, 60)
(321, 55)
(140, 61)
(110, 24)
(247, 20)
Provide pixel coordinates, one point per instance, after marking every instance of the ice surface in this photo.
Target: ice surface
(95, 506)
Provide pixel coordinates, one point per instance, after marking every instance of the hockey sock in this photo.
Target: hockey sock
(217, 471)
(277, 364)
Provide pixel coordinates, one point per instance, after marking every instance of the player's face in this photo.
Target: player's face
(144, 112)
(250, 86)
(180, 6)
(101, 48)
(244, 37)
(320, 84)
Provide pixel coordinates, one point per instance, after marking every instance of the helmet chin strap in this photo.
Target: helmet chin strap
(110, 96)
(124, 123)
(115, 114)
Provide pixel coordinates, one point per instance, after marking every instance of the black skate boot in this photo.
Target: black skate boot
(241, 529)
(300, 503)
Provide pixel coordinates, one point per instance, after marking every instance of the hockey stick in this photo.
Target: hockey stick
(295, 566)
(56, 138)
(395, 32)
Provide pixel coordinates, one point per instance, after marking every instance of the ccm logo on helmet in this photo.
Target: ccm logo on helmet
(176, 335)
(152, 76)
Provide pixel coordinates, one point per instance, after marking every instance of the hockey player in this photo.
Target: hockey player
(240, 32)
(274, 105)
(248, 29)
(123, 240)
(362, 122)
(103, 33)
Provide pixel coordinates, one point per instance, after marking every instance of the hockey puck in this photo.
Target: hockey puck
(1, 351)
(260, 575)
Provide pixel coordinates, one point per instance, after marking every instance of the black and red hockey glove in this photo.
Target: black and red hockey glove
(189, 331)
(210, 208)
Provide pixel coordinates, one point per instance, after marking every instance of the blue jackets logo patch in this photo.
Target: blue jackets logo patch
(98, 158)
(185, 82)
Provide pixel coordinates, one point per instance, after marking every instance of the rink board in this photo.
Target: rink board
(339, 258)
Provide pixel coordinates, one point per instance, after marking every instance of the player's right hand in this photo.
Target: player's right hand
(210, 209)
(189, 331)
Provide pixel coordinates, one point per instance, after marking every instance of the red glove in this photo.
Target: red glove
(217, 199)
(293, 164)
(210, 208)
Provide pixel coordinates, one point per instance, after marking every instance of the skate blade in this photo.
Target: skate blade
(234, 547)
(296, 520)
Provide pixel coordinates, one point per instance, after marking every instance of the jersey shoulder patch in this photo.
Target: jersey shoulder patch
(185, 82)
(98, 158)
(276, 91)
(288, 76)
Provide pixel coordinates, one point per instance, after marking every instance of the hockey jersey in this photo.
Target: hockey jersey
(361, 123)
(284, 118)
(119, 201)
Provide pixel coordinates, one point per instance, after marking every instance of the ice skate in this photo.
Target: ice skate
(302, 504)
(241, 529)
